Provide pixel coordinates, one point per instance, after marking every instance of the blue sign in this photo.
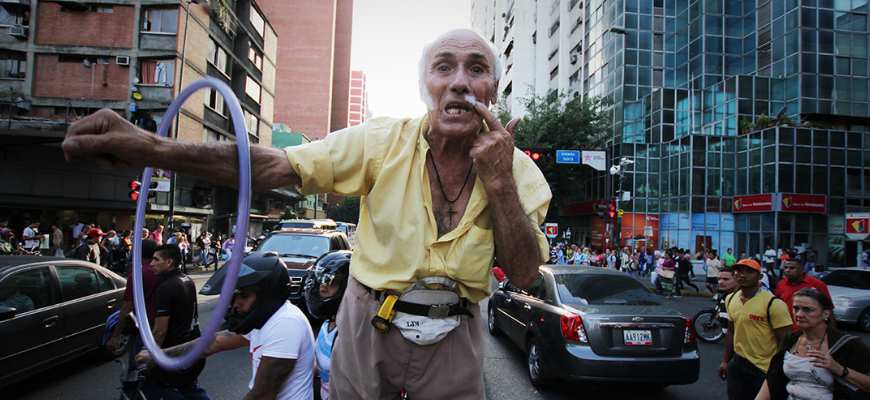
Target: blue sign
(568, 156)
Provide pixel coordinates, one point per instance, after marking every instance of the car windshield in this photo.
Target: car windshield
(604, 289)
(310, 246)
(850, 279)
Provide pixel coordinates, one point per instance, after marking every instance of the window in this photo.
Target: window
(217, 56)
(77, 282)
(11, 17)
(26, 290)
(255, 57)
(252, 89)
(157, 72)
(603, 289)
(257, 22)
(215, 101)
(252, 123)
(101, 9)
(13, 68)
(162, 21)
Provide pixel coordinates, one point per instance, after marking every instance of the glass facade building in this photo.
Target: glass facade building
(719, 102)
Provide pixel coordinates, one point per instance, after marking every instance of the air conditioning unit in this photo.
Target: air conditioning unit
(122, 60)
(18, 31)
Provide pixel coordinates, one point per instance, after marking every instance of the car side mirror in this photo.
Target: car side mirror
(7, 313)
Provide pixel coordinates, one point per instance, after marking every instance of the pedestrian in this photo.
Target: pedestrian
(324, 290)
(227, 246)
(786, 254)
(560, 256)
(811, 258)
(795, 280)
(757, 321)
(56, 247)
(175, 312)
(667, 274)
(816, 360)
(76, 228)
(111, 244)
(214, 251)
(683, 268)
(727, 285)
(6, 247)
(275, 331)
(31, 236)
(150, 281)
(202, 245)
(89, 250)
(769, 257)
(629, 263)
(712, 265)
(468, 195)
(157, 235)
(728, 259)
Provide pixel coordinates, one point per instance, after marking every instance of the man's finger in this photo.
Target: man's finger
(491, 120)
(512, 126)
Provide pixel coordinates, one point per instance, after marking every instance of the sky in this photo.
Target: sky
(388, 37)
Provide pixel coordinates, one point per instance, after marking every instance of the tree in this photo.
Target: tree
(289, 213)
(346, 211)
(555, 122)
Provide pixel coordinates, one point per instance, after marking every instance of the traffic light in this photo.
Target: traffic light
(611, 210)
(601, 209)
(135, 186)
(534, 155)
(540, 155)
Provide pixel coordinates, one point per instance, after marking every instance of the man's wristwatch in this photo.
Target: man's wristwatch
(845, 372)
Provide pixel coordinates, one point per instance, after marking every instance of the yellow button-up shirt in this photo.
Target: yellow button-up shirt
(396, 242)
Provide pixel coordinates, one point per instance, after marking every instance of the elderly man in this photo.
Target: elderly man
(442, 194)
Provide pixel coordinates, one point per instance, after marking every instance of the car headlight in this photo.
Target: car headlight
(842, 302)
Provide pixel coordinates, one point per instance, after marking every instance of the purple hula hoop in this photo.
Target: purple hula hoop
(234, 264)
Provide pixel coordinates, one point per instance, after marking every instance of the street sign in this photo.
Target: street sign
(857, 226)
(620, 213)
(567, 157)
(551, 230)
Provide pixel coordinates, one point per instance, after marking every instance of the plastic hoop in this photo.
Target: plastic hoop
(234, 264)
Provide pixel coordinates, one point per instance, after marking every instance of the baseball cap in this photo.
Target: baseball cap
(94, 233)
(747, 263)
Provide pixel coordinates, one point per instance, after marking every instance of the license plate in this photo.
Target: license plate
(637, 338)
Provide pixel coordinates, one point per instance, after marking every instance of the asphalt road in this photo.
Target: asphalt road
(226, 375)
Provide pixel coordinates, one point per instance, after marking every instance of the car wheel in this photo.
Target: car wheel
(864, 320)
(535, 359)
(494, 329)
(123, 343)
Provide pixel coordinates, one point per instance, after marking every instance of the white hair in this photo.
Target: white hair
(424, 65)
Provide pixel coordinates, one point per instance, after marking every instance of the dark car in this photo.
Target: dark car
(593, 324)
(53, 310)
(298, 249)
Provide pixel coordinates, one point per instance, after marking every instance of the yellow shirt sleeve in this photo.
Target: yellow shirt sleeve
(779, 315)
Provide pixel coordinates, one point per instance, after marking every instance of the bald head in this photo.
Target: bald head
(456, 38)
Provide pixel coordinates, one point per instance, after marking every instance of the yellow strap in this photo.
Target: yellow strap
(386, 311)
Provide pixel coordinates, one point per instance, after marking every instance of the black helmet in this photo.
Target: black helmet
(331, 268)
(262, 272)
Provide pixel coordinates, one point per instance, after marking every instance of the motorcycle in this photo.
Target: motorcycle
(708, 326)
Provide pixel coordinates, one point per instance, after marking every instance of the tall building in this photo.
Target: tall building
(747, 120)
(358, 108)
(313, 77)
(66, 59)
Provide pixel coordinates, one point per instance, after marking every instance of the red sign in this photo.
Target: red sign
(812, 203)
(857, 226)
(752, 203)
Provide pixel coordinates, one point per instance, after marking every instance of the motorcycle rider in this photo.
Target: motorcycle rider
(260, 317)
(324, 289)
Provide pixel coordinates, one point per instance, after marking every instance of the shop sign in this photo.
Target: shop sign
(812, 203)
(752, 203)
(836, 224)
(857, 226)
(551, 230)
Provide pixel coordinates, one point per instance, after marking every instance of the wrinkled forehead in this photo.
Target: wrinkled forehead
(460, 45)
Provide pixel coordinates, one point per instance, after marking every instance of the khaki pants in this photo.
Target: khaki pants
(367, 364)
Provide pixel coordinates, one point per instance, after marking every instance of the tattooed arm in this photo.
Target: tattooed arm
(271, 374)
(222, 341)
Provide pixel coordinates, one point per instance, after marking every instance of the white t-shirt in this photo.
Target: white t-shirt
(769, 255)
(29, 244)
(325, 340)
(77, 229)
(713, 266)
(286, 334)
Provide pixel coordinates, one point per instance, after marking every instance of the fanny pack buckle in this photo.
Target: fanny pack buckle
(439, 311)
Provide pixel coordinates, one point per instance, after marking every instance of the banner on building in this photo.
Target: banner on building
(811, 203)
(595, 159)
(753, 203)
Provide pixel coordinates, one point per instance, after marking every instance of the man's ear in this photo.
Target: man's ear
(494, 97)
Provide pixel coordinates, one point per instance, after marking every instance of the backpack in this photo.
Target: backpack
(79, 252)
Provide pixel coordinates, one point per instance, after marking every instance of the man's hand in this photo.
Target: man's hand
(109, 140)
(112, 344)
(723, 371)
(493, 151)
(144, 357)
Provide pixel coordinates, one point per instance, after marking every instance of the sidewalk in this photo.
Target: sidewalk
(687, 290)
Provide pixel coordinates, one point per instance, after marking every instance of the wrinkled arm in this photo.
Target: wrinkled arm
(271, 374)
(111, 141)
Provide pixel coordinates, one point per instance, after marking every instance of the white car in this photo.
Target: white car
(850, 290)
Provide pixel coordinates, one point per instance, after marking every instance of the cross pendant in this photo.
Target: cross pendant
(449, 212)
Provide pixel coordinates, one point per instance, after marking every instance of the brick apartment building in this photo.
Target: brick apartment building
(65, 59)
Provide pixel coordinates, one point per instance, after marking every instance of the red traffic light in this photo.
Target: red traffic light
(612, 211)
(534, 155)
(134, 185)
(134, 195)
